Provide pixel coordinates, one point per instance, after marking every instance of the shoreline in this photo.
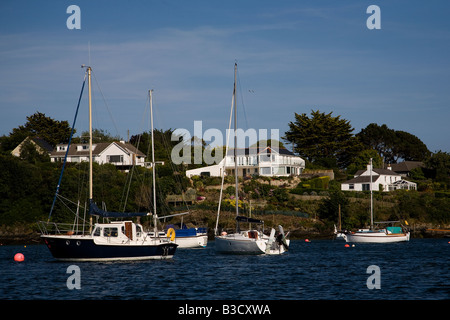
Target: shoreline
(34, 237)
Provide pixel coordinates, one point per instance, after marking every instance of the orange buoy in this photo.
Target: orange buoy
(347, 245)
(307, 240)
(19, 257)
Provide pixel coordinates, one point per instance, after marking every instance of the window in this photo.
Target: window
(110, 232)
(97, 232)
(138, 231)
(351, 186)
(366, 186)
(118, 158)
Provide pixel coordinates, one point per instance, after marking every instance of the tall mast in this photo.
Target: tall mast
(91, 195)
(371, 197)
(90, 136)
(235, 144)
(153, 162)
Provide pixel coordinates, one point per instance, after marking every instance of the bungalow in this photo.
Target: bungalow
(382, 180)
(122, 155)
(272, 162)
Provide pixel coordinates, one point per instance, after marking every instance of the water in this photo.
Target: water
(316, 270)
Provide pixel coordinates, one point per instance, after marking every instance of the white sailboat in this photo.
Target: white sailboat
(385, 235)
(184, 237)
(251, 241)
(116, 240)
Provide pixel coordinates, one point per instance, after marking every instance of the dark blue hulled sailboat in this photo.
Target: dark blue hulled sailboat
(117, 240)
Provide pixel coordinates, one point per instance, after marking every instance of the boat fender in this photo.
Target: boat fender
(171, 234)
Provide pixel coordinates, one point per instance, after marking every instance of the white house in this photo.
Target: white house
(251, 161)
(122, 155)
(382, 180)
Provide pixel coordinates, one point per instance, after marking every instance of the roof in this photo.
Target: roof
(406, 166)
(361, 179)
(98, 149)
(44, 144)
(41, 146)
(378, 171)
(254, 151)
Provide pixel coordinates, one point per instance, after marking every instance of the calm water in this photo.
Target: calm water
(320, 269)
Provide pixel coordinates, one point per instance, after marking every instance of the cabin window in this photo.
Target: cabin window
(138, 231)
(97, 232)
(110, 232)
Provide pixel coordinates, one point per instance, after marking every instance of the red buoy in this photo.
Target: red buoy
(347, 245)
(19, 257)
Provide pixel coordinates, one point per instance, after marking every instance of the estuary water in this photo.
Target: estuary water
(315, 270)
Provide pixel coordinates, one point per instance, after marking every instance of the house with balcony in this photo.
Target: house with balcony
(122, 155)
(271, 162)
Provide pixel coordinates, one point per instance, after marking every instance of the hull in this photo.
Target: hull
(84, 248)
(376, 237)
(199, 241)
(238, 245)
(241, 243)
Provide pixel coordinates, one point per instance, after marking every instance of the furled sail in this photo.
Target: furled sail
(96, 211)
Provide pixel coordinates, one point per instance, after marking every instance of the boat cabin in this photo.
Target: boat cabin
(117, 232)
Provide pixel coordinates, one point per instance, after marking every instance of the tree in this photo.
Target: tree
(393, 145)
(98, 135)
(439, 163)
(46, 128)
(330, 206)
(361, 161)
(409, 148)
(323, 139)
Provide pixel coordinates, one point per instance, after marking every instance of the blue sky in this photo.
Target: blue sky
(293, 56)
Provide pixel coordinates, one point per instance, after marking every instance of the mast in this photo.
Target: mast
(235, 143)
(224, 163)
(91, 196)
(371, 197)
(153, 164)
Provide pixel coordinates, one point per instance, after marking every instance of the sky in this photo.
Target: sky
(292, 56)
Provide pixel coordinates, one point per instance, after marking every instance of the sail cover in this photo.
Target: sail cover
(96, 211)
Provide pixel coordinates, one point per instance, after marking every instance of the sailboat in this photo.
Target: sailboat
(339, 233)
(250, 241)
(115, 240)
(385, 235)
(183, 237)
